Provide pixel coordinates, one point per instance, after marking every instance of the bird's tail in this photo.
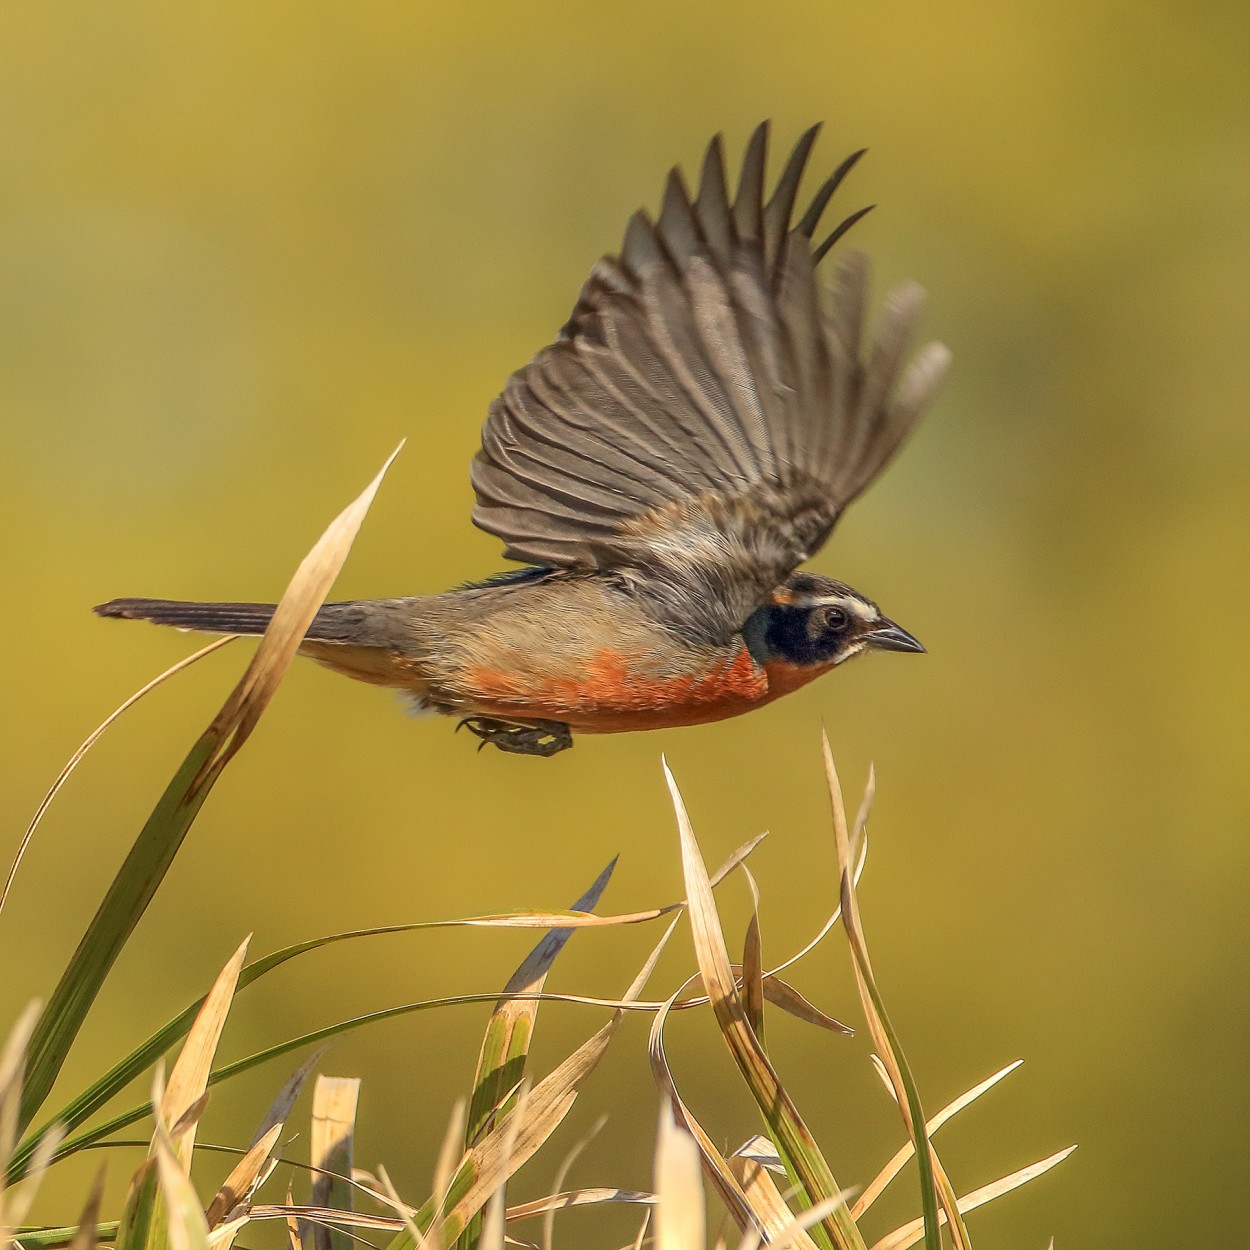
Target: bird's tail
(213, 618)
(335, 622)
(367, 639)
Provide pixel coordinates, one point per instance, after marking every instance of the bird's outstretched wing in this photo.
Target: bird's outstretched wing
(708, 411)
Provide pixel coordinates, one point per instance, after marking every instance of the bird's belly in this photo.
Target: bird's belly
(613, 693)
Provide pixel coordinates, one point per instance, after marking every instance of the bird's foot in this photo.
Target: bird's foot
(540, 737)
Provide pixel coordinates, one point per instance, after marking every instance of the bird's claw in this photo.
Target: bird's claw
(540, 737)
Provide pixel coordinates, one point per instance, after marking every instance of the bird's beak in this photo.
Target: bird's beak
(886, 636)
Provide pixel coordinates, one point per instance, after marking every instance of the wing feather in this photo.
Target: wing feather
(748, 210)
(712, 205)
(780, 208)
(707, 411)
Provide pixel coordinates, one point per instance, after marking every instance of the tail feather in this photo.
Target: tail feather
(214, 618)
(357, 622)
(367, 639)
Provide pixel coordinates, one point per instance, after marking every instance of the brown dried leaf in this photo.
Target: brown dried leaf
(189, 1078)
(243, 1177)
(294, 614)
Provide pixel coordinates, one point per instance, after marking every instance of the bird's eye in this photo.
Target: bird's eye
(835, 619)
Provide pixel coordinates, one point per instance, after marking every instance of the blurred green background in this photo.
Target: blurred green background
(244, 249)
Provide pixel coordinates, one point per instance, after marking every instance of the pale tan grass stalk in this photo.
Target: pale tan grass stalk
(91, 739)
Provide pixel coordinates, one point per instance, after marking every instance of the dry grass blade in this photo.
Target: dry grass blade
(445, 1169)
(189, 1119)
(16, 1201)
(243, 1178)
(909, 1234)
(753, 964)
(776, 991)
(714, 1164)
(93, 1099)
(91, 739)
(774, 974)
(795, 1232)
(861, 858)
(335, 1100)
(294, 614)
(189, 1078)
(760, 1149)
(184, 1218)
(102, 1131)
(222, 1237)
(641, 1239)
(571, 1198)
(798, 1148)
(330, 1217)
(12, 1066)
(895, 1165)
(562, 1172)
(782, 994)
(933, 1180)
(292, 1226)
(412, 1230)
(639, 983)
(524, 1129)
(776, 1218)
(493, 1237)
(280, 1109)
(679, 1213)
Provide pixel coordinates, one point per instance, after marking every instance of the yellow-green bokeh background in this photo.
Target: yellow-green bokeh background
(245, 248)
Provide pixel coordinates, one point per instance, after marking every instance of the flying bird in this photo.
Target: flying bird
(661, 470)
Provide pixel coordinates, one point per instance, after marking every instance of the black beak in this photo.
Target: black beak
(886, 636)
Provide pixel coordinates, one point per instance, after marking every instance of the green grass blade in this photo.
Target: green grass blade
(128, 897)
(506, 1044)
(58, 1238)
(137, 1215)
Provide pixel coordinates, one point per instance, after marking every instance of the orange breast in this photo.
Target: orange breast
(613, 693)
(783, 677)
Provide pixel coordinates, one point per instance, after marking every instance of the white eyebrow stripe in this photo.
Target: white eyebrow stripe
(857, 607)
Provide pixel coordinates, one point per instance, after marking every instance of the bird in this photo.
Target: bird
(661, 472)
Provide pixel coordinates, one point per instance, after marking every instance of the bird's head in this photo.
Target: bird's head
(815, 622)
